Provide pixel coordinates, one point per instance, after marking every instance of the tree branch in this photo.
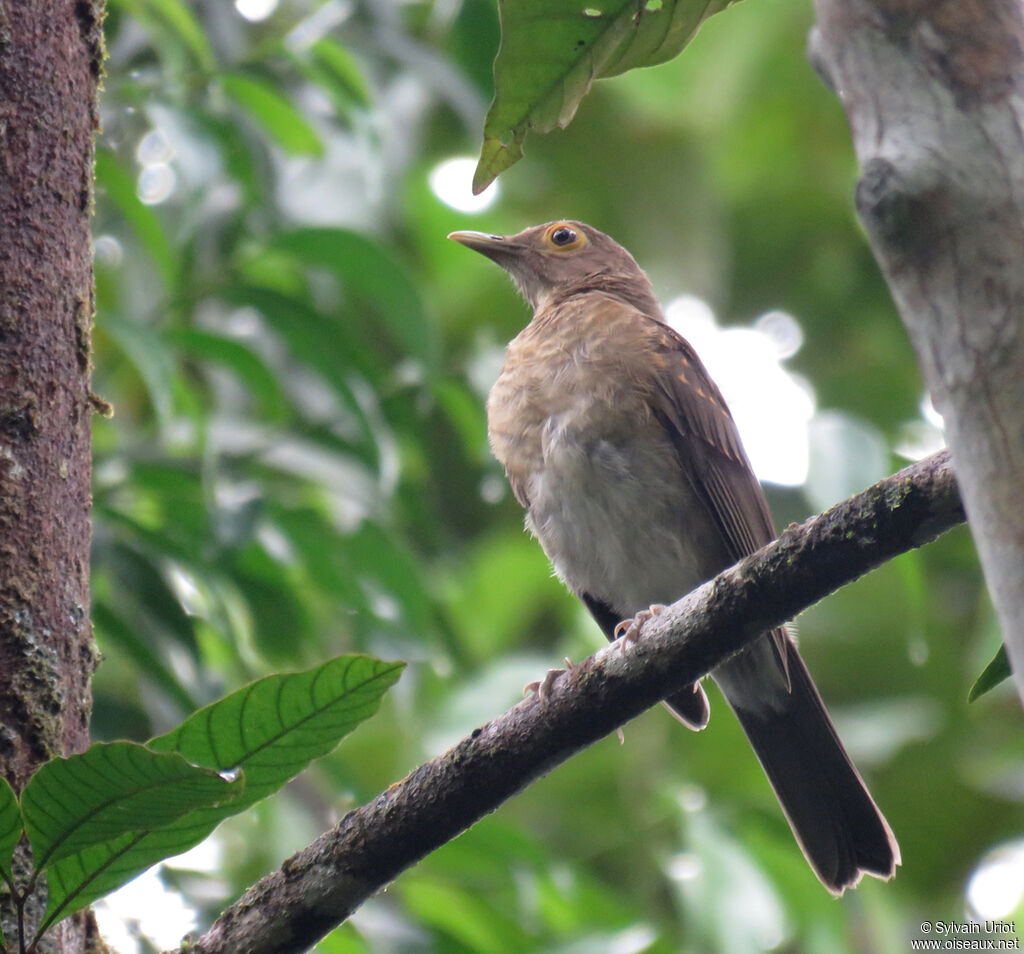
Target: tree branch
(935, 99)
(319, 887)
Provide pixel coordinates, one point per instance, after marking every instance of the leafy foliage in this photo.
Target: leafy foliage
(551, 53)
(109, 791)
(298, 464)
(97, 819)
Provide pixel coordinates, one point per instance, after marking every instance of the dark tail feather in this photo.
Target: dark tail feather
(835, 820)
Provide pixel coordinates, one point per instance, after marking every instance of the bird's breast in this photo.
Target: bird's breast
(574, 427)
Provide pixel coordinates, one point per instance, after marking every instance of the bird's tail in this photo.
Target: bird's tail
(835, 820)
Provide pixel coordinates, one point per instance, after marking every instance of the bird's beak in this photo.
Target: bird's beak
(496, 247)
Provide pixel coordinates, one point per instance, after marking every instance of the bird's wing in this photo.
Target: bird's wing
(711, 455)
(697, 419)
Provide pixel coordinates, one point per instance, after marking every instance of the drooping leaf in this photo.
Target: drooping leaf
(235, 151)
(328, 64)
(460, 912)
(242, 361)
(112, 789)
(150, 358)
(10, 825)
(370, 274)
(466, 414)
(182, 21)
(142, 577)
(553, 50)
(271, 729)
(275, 113)
(113, 630)
(281, 619)
(323, 553)
(315, 341)
(994, 673)
(382, 558)
(343, 67)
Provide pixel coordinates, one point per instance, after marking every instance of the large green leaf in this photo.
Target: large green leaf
(111, 789)
(10, 825)
(275, 113)
(271, 729)
(314, 340)
(114, 630)
(238, 358)
(331, 66)
(176, 16)
(553, 50)
(138, 569)
(373, 277)
(149, 356)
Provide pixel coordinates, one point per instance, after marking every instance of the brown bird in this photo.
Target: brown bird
(622, 451)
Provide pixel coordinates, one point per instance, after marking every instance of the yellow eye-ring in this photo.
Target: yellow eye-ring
(563, 236)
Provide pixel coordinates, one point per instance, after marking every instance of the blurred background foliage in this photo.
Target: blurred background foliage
(298, 467)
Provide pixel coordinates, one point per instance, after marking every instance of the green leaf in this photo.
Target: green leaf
(462, 913)
(146, 587)
(113, 630)
(149, 357)
(120, 185)
(344, 68)
(552, 51)
(181, 20)
(10, 825)
(316, 341)
(274, 727)
(234, 355)
(370, 274)
(235, 151)
(383, 558)
(281, 617)
(994, 673)
(331, 66)
(111, 789)
(274, 113)
(321, 550)
(271, 729)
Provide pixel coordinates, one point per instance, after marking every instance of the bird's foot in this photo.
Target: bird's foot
(543, 690)
(543, 687)
(629, 629)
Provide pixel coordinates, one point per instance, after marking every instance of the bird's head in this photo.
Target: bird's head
(564, 256)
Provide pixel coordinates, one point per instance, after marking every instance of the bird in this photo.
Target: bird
(623, 453)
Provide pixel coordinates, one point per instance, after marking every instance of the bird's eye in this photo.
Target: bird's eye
(563, 236)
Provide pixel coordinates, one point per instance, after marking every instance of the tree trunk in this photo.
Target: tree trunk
(934, 93)
(51, 60)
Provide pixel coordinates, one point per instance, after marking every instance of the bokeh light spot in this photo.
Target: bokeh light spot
(156, 184)
(772, 408)
(996, 887)
(255, 10)
(452, 182)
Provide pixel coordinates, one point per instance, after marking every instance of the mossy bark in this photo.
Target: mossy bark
(50, 70)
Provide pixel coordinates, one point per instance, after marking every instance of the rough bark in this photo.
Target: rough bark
(50, 67)
(290, 910)
(933, 94)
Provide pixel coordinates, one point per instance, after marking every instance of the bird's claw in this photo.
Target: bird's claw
(629, 629)
(544, 686)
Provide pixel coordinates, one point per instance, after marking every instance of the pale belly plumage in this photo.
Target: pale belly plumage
(615, 516)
